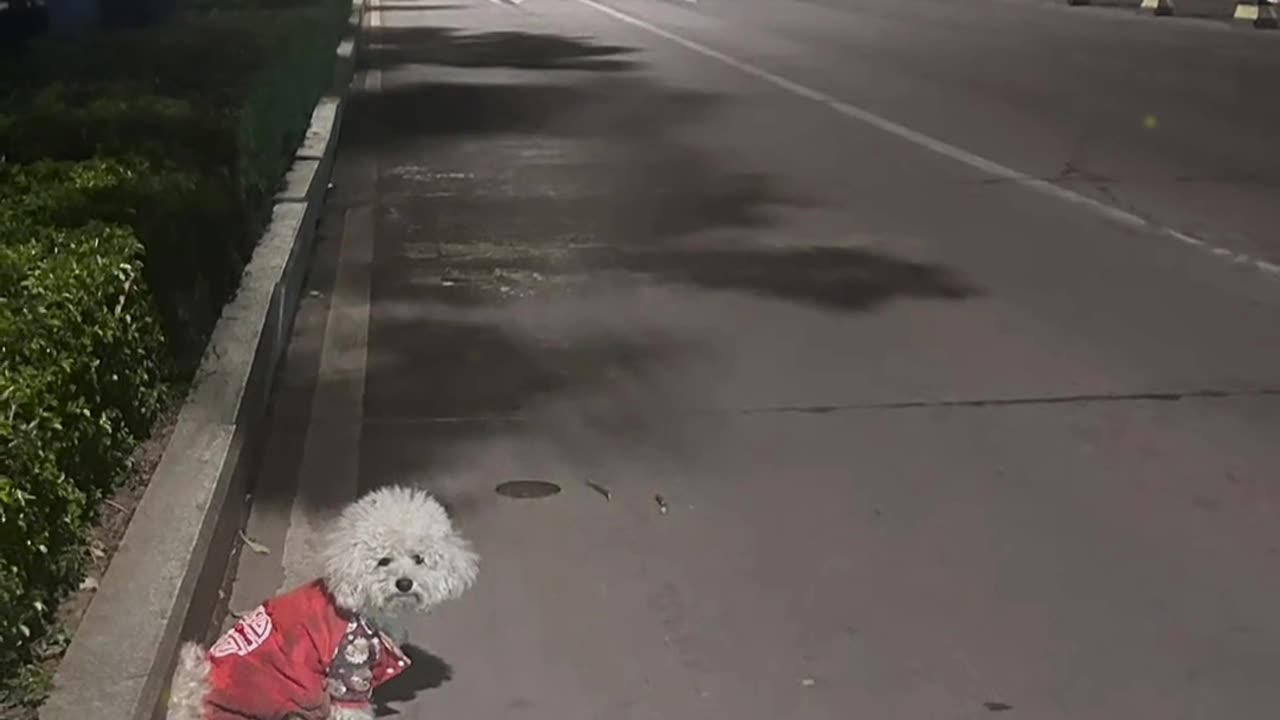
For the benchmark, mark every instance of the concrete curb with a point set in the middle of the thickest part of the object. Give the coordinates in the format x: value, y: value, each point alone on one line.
x: 161, y: 587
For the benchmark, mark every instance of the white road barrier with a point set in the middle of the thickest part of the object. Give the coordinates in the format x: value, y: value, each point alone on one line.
x: 1262, y: 13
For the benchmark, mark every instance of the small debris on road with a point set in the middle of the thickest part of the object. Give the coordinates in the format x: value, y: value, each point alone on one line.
x: 604, y: 491
x: 254, y: 545
x: 808, y: 682
x: 662, y: 504
x: 450, y: 278
x: 314, y: 294
x: 997, y: 706
x: 89, y: 584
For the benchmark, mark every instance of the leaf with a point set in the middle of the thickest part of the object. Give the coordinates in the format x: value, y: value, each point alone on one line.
x: 662, y: 504
x: 254, y: 545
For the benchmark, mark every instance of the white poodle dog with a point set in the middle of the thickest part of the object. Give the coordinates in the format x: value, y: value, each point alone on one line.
x: 317, y: 652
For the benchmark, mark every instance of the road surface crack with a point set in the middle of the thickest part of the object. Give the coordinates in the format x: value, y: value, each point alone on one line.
x: 1080, y: 399
x: 960, y: 403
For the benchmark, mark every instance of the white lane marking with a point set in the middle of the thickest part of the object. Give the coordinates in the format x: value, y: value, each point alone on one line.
x: 328, y: 476
x: 945, y: 149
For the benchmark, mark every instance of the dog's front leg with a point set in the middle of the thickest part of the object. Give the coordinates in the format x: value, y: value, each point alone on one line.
x: 351, y: 712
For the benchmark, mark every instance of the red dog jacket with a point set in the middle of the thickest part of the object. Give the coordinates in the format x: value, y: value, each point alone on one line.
x: 298, y: 653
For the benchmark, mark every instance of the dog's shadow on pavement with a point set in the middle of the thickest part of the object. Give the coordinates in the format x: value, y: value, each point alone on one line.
x: 426, y: 672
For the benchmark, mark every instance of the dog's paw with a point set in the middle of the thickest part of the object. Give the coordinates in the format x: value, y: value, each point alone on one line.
x: 348, y: 712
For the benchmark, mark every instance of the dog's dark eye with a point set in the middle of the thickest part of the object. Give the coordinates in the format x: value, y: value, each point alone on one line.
x: 417, y: 559
x: 384, y: 562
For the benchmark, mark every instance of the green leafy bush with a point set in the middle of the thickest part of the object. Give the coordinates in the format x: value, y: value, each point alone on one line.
x: 136, y: 168
x: 211, y: 59
x: 70, y: 122
x: 189, y: 151
x: 274, y: 119
x: 189, y: 225
x: 78, y: 388
x: 223, y: 93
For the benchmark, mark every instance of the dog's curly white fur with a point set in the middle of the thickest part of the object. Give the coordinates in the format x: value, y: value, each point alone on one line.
x: 392, y: 553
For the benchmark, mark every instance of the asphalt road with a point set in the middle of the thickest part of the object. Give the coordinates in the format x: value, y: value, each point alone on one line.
x: 946, y: 332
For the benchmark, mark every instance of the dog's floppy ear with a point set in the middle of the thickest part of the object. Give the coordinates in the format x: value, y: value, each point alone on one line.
x: 464, y: 563
x: 454, y: 565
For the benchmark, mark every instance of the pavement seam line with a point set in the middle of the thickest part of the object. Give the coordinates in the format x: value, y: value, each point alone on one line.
x: 1041, y: 400
x: 945, y: 149
x: 959, y: 403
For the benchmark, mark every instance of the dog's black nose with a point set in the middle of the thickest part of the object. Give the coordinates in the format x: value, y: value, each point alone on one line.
x: 404, y: 584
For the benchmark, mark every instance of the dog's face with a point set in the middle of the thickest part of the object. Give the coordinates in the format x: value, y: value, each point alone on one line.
x: 395, y: 551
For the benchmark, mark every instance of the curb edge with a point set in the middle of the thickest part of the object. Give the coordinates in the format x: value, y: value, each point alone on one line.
x: 161, y: 586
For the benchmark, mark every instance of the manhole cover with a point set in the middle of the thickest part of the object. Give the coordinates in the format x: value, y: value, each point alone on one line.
x: 528, y: 489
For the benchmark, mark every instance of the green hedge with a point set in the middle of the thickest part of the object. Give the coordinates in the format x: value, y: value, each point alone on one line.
x: 136, y: 171
x: 182, y: 219
x: 203, y: 142
x: 78, y: 388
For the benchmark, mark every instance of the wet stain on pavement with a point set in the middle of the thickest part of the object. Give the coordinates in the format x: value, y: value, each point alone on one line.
x: 528, y: 489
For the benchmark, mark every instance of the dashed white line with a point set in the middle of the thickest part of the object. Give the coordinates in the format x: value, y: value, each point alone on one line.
x: 935, y: 145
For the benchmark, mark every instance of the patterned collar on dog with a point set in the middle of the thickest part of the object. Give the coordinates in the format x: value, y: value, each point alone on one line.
x: 350, y: 678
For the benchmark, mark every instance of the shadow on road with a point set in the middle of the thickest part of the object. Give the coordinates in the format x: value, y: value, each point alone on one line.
x: 429, y: 113
x: 442, y: 366
x: 425, y: 672
x: 388, y: 47
x: 836, y: 278
x: 520, y: 226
